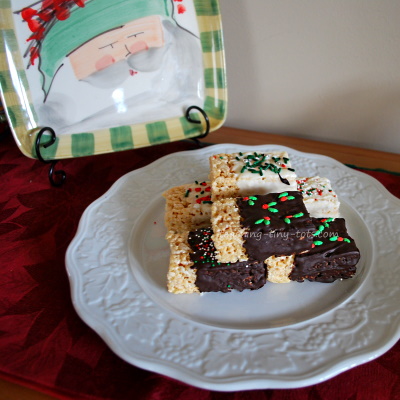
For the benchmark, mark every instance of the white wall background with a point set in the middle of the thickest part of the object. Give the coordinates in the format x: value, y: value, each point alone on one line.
x: 319, y: 69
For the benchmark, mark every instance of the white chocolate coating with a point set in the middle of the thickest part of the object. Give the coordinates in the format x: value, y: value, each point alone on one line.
x: 319, y: 198
x: 249, y: 173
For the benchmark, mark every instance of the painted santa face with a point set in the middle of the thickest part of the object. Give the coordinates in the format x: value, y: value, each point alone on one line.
x: 116, y: 45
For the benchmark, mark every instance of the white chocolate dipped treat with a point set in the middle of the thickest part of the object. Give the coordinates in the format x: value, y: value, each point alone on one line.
x: 251, y: 173
x: 318, y: 196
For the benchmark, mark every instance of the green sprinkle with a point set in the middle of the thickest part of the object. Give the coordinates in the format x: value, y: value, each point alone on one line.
x: 257, y: 163
x: 291, y: 169
x: 221, y: 157
x: 333, y: 238
x: 273, y: 210
x: 287, y: 220
x: 259, y: 221
x: 283, y: 195
x: 251, y: 203
x: 273, y: 203
x: 229, y: 286
x: 243, y: 169
x: 291, y: 197
x: 286, y: 160
x: 187, y: 193
x: 318, y: 243
x: 253, y: 198
x: 347, y: 240
x: 298, y: 215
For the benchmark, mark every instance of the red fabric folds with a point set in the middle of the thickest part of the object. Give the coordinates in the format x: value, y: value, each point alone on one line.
x: 45, y: 345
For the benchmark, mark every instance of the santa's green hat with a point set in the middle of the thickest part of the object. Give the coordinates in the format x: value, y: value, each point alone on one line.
x: 84, y: 23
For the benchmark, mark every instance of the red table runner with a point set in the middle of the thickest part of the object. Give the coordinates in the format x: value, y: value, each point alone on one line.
x: 46, y: 346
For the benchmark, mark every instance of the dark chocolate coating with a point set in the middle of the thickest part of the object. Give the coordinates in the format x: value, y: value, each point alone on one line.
x: 279, y: 238
x: 213, y: 276
x: 330, y: 260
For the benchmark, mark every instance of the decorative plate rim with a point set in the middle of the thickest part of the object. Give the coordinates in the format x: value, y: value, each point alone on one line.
x: 300, y: 355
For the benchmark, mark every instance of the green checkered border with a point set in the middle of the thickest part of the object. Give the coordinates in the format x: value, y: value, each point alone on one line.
x: 21, y: 114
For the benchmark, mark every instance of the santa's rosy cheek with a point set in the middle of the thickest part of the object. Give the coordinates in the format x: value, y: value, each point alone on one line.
x: 104, y: 62
x: 138, y: 46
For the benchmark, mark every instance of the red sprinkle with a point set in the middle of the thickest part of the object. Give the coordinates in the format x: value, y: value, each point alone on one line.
x: 201, y: 199
x: 265, y: 206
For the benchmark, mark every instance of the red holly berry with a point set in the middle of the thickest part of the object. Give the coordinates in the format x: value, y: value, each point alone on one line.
x: 62, y: 13
x: 34, y: 25
x: 28, y: 13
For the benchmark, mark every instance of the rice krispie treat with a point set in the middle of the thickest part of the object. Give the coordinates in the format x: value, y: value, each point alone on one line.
x: 318, y: 196
x: 188, y: 207
x: 194, y: 268
x: 279, y: 268
x: 258, y: 227
x: 251, y: 173
x: 333, y: 255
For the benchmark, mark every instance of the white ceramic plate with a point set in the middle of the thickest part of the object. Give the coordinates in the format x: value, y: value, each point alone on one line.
x: 281, y: 336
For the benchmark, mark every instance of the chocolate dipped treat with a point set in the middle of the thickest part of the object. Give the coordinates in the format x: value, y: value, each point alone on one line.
x: 333, y: 255
x: 193, y: 267
x: 258, y: 227
x: 213, y: 276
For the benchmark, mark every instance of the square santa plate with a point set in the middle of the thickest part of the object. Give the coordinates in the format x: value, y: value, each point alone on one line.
x: 110, y: 76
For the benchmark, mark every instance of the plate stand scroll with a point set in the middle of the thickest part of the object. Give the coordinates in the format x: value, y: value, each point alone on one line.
x: 61, y: 175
